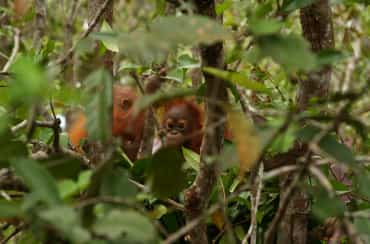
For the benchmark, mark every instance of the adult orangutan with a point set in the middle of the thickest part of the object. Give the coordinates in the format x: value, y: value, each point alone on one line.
x: 126, y: 125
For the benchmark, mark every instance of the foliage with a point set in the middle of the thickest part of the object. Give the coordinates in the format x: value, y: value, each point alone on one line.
x: 44, y: 184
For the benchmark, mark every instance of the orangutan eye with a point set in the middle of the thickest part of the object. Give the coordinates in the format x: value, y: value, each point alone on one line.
x: 170, y: 125
x: 181, y: 125
x: 126, y: 104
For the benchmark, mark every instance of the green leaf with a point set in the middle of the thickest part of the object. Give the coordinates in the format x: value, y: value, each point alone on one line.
x: 284, y: 141
x: 237, y: 78
x: 325, y: 206
x: 362, y: 225
x: 38, y: 179
x: 337, y: 150
x: 176, y: 75
x: 109, y: 43
x: 84, y: 179
x: 116, y: 184
x: 192, y: 159
x: 291, y: 5
x: 141, y: 167
x: 265, y: 26
x: 328, y: 144
x: 187, y: 62
x: 98, y: 105
x: 62, y: 167
x: 29, y: 83
x: 221, y: 7
x: 158, y: 212
x: 10, y: 148
x: 10, y: 209
x: 290, y: 51
x: 135, y: 227
x: 362, y: 179
x: 329, y: 56
x: 159, y: 38
x: 66, y: 220
x: 68, y: 188
x: 166, y: 175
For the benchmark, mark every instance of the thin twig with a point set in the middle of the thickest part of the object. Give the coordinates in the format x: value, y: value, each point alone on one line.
x: 19, y: 126
x: 190, y: 225
x: 195, y: 222
x: 14, y: 51
x: 322, y: 179
x: 56, y: 127
x: 285, y: 199
x: 90, y: 28
x: 279, y: 131
x: 171, y: 202
x: 256, y: 195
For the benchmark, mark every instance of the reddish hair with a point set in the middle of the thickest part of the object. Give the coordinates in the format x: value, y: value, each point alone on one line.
x: 196, y: 120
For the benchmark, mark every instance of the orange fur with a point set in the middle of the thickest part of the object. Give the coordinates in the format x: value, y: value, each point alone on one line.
x: 125, y: 125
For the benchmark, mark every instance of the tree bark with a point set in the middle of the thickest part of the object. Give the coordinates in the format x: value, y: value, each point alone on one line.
x: 69, y: 75
x: 197, y: 196
x: 40, y: 22
x: 317, y: 27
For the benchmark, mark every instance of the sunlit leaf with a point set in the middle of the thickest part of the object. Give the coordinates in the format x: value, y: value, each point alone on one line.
x: 110, y: 43
x: 192, y: 159
x: 68, y: 188
x: 265, y: 26
x: 158, y: 212
x: 237, y: 78
x: 84, y: 179
x: 187, y: 62
x: 221, y: 7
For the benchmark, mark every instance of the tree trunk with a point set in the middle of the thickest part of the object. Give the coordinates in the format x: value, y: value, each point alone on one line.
x: 69, y: 75
x: 197, y: 196
x: 317, y: 26
x: 40, y: 23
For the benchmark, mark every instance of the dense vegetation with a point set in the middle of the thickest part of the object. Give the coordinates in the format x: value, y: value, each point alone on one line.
x: 287, y: 79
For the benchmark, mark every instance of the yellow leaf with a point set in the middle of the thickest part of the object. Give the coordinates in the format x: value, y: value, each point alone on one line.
x: 218, y: 219
x: 247, y: 142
